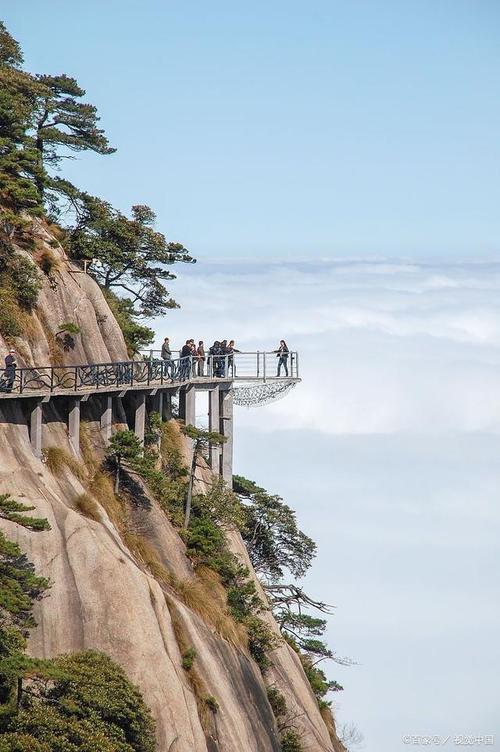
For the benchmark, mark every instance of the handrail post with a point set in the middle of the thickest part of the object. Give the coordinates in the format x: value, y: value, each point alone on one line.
x: 51, y: 378
x: 258, y: 363
x: 149, y: 372
x: 131, y: 372
x: 190, y: 367
x: 297, y: 364
x: 21, y: 371
x: 264, y: 368
x: 76, y: 378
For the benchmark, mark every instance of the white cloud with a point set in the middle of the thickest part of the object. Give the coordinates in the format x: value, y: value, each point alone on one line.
x: 405, y: 516
x: 386, y: 346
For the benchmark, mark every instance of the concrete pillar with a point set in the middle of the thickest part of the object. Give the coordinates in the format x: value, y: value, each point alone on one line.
x: 226, y: 420
x: 74, y: 423
x: 167, y: 406
x: 187, y: 405
x: 36, y: 428
x: 214, y: 425
x: 107, y: 417
x: 157, y: 403
x: 140, y: 416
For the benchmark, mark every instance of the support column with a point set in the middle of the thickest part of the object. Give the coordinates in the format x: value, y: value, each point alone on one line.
x: 214, y: 425
x: 106, y: 420
x: 187, y: 405
x: 36, y: 429
x: 74, y: 423
x: 226, y: 422
x: 157, y: 403
x: 167, y: 406
x: 140, y: 416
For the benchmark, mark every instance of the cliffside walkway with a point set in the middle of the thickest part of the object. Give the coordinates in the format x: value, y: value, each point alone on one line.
x: 31, y: 381
x: 128, y: 390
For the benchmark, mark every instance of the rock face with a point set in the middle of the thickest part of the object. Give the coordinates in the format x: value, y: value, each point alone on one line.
x: 104, y: 594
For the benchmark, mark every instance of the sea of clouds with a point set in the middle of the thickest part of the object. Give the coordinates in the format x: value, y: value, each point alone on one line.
x: 388, y: 450
x: 384, y: 346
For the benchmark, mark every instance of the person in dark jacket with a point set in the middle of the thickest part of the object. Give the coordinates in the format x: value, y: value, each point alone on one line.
x: 223, y: 360
x: 166, y: 356
x: 282, y: 353
x: 10, y: 372
x: 216, y: 352
x: 185, y: 360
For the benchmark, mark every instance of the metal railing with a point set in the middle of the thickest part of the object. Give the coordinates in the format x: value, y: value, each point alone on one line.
x: 152, y: 370
x: 240, y: 364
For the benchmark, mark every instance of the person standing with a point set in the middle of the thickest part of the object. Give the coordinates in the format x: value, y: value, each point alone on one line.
x: 166, y: 356
x: 200, y: 354
x: 282, y: 354
x: 230, y: 362
x: 10, y: 372
x: 185, y: 360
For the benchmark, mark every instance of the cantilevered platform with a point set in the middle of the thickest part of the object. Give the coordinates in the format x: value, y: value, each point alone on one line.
x: 148, y: 385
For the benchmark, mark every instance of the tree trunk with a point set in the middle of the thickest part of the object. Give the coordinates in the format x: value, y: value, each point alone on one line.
x: 117, y: 477
x: 189, y: 498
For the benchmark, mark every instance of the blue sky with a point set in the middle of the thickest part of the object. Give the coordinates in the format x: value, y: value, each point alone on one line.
x: 288, y: 129
x: 347, y: 136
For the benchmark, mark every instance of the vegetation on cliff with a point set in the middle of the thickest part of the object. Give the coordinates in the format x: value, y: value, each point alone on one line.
x: 81, y: 701
x: 277, y: 548
x: 44, y: 119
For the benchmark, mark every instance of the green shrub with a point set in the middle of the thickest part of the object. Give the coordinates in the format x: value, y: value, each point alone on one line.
x: 205, y: 540
x: 277, y: 701
x: 10, y: 323
x: 25, y: 281
x: 212, y: 703
x: 188, y: 659
x: 290, y: 742
x: 69, y: 327
x: 136, y: 336
x: 90, y: 705
x: 243, y: 600
x: 261, y: 640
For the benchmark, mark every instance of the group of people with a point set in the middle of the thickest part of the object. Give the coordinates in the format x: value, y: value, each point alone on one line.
x: 193, y: 358
x: 192, y: 361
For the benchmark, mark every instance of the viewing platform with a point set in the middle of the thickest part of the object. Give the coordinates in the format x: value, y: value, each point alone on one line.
x: 126, y: 392
x: 151, y: 371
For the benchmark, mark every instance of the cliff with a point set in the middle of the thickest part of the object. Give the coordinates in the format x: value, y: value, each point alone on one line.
x: 121, y: 580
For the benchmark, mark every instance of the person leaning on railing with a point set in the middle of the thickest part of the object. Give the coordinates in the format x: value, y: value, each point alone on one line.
x: 230, y: 361
x: 282, y: 353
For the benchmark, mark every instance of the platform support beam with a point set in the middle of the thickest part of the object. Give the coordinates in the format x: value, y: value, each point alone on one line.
x: 226, y: 423
x: 36, y: 428
x: 157, y: 403
x: 140, y: 416
x: 106, y: 420
x: 187, y: 405
x: 166, y: 413
x: 214, y: 425
x: 74, y: 423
